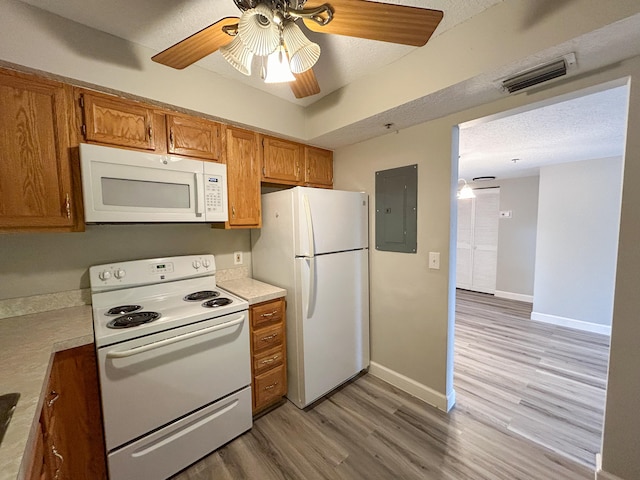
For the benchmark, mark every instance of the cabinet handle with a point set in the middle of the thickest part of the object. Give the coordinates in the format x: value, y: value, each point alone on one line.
x: 269, y: 314
x: 171, y: 138
x: 269, y: 337
x: 67, y: 205
x: 271, y: 387
x: 150, y: 132
x: 233, y: 212
x: 58, y: 465
x: 269, y: 360
x: 54, y: 398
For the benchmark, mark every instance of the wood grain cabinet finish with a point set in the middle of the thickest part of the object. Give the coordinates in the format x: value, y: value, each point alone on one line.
x: 318, y: 170
x: 36, y: 180
x: 243, y: 176
x: 193, y: 137
x: 116, y: 121
x: 70, y: 441
x: 282, y: 161
x: 269, y: 353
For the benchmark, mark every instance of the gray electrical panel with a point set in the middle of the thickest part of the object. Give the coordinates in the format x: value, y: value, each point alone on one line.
x: 397, y: 209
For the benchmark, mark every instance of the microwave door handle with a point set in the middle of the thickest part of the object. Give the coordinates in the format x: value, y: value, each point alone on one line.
x: 199, y: 193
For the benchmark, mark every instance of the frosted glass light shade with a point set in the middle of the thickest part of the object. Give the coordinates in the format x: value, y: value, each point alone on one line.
x: 303, y: 53
x: 278, y: 70
x: 238, y: 55
x: 466, y: 192
x: 257, y: 30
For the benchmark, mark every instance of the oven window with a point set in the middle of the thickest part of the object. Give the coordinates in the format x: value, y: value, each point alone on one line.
x: 139, y: 193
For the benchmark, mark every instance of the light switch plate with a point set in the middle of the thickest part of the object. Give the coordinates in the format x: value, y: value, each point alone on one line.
x: 434, y: 260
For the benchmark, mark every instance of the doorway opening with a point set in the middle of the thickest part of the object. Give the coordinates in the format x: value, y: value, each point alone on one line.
x: 533, y: 305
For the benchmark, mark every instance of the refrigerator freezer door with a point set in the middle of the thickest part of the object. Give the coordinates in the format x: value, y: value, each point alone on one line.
x: 332, y: 328
x: 339, y: 220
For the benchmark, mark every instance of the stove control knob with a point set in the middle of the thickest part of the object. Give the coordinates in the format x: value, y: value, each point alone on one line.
x: 196, y: 264
x: 120, y: 273
x: 105, y: 275
x: 206, y: 263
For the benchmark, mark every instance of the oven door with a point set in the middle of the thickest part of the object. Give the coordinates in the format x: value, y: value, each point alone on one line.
x: 149, y: 382
x: 127, y: 186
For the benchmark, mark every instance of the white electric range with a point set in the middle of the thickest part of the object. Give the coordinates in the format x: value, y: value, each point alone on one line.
x: 174, y: 363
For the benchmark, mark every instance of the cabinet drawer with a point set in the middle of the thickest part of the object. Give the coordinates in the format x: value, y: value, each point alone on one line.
x: 269, y: 386
x: 266, y: 313
x: 267, y: 360
x: 267, y: 338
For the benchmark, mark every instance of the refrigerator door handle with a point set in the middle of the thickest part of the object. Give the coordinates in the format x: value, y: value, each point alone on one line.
x: 312, y: 286
x: 307, y: 211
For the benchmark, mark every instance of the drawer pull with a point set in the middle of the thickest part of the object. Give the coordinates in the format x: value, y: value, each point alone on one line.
x: 269, y: 360
x: 269, y: 337
x: 54, y: 397
x: 271, y: 387
x: 269, y: 314
x: 59, y: 462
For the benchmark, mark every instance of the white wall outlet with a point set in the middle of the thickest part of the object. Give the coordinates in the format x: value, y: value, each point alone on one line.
x: 434, y: 260
x: 505, y: 213
x: 237, y: 258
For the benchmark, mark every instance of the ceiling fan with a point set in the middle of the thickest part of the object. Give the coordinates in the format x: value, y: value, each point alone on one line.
x: 268, y: 30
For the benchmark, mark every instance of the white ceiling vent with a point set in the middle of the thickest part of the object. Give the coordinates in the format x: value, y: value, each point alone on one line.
x: 539, y: 74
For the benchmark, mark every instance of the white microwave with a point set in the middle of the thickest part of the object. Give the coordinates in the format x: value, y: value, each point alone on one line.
x: 125, y: 186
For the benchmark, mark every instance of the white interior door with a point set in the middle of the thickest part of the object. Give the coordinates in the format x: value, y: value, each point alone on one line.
x: 477, y: 248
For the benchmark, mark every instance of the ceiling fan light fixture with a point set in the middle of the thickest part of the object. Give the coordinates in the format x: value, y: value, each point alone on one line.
x: 238, y: 56
x: 257, y: 30
x: 278, y: 69
x: 303, y: 53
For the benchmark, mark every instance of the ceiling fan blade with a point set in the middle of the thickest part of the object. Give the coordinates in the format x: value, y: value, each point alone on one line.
x: 197, y: 46
x: 378, y: 21
x: 305, y: 85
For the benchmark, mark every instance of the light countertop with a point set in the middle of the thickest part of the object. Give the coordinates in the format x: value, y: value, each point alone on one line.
x: 27, y: 346
x: 253, y: 291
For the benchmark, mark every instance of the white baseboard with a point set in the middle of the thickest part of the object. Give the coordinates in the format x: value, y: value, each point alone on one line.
x: 602, y: 475
x: 424, y: 393
x: 514, y: 296
x: 571, y: 323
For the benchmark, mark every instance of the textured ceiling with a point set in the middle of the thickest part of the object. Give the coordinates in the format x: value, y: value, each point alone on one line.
x: 588, y: 127
x: 158, y: 24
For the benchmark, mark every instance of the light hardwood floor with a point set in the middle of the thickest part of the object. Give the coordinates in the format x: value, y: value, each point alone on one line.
x: 370, y: 430
x: 543, y: 382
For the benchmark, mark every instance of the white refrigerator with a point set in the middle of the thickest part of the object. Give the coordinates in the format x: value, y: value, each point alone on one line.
x: 314, y: 243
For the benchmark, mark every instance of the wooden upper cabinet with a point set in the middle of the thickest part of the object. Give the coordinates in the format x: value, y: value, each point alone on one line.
x: 193, y: 137
x: 318, y: 167
x: 243, y: 173
x: 282, y: 161
x: 36, y: 181
x: 116, y: 121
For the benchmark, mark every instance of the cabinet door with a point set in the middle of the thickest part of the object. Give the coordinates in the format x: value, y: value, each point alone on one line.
x: 318, y: 167
x: 243, y: 172
x: 281, y: 161
x: 117, y: 121
x: 71, y: 413
x: 193, y: 137
x: 35, y: 184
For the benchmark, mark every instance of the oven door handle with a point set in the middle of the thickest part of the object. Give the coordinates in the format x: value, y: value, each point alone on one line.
x: 176, y: 339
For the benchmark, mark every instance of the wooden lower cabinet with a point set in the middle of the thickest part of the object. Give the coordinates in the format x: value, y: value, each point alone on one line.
x: 268, y: 353
x: 69, y: 443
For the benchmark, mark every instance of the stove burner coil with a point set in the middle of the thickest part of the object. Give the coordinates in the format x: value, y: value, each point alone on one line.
x: 133, y: 319
x: 202, y: 295
x: 123, y: 309
x: 217, y: 302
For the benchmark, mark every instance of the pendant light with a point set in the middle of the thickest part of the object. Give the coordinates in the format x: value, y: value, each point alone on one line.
x: 466, y: 191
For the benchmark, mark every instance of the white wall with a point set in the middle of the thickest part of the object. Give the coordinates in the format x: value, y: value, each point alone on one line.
x: 516, y: 236
x: 577, y: 243
x: 32, y: 264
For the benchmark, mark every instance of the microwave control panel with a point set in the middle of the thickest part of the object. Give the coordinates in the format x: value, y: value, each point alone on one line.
x: 214, y: 193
